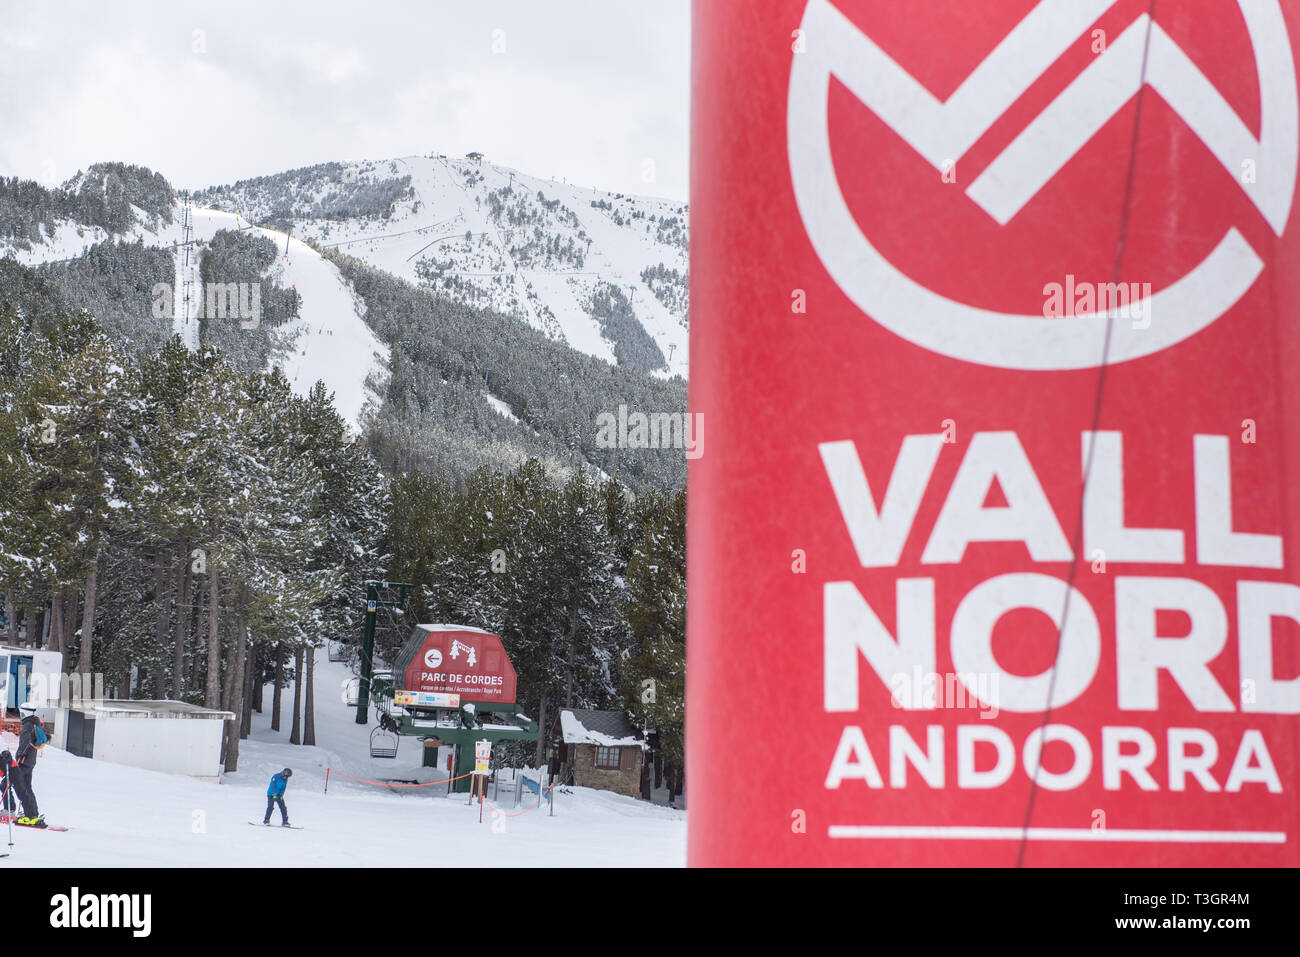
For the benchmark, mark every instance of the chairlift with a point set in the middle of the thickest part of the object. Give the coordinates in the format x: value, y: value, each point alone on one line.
x: 338, y: 651
x: 352, y: 692
x: 383, y: 743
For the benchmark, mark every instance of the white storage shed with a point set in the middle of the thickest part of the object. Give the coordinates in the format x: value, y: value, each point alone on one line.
x: 169, y: 736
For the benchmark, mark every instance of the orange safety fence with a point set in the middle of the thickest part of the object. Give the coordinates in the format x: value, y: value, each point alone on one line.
x: 389, y: 784
x: 541, y: 799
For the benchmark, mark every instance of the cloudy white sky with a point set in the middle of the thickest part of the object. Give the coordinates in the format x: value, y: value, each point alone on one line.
x: 208, y: 93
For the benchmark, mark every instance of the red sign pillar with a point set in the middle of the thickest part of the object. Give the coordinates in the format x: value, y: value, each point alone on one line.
x: 995, y: 545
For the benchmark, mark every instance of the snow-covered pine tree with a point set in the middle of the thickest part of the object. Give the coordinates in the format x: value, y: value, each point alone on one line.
x: 22, y: 361
x: 653, y: 670
x: 212, y: 466
x: 352, y: 507
x: 167, y: 522
x: 581, y: 573
x: 271, y: 531
x: 82, y: 439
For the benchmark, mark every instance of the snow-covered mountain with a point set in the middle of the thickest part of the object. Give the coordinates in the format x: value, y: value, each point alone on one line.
x: 510, y: 311
x: 576, y: 263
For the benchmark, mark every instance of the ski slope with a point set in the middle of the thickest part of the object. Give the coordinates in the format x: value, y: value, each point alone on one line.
x: 127, y: 817
x: 332, y: 342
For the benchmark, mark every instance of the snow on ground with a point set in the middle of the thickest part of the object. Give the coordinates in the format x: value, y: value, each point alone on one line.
x: 333, y: 344
x: 127, y: 817
x: 500, y: 406
x: 186, y: 295
x: 67, y: 240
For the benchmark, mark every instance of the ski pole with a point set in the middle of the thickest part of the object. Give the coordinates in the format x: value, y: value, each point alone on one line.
x: 4, y: 804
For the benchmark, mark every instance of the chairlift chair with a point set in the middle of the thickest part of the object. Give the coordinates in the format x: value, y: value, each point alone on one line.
x: 352, y: 692
x: 383, y: 743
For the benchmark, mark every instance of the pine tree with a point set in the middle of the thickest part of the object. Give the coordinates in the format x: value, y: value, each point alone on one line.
x: 193, y: 515
x: 165, y: 521
x: 90, y: 404
x: 654, y: 610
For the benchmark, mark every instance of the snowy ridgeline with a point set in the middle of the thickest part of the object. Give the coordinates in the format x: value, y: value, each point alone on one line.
x: 542, y: 250
x: 133, y: 818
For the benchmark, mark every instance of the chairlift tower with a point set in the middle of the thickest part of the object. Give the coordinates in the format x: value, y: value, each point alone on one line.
x: 373, y: 603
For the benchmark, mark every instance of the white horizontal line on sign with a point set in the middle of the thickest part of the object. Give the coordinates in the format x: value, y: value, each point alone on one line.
x: 1156, y: 836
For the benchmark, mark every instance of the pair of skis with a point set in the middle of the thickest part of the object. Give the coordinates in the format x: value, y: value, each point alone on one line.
x: 6, y: 819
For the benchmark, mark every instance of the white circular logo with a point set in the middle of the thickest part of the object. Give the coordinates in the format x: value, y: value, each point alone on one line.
x: 942, y: 132
x: 433, y: 658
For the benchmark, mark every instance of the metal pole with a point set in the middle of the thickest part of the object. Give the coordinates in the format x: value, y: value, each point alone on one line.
x: 367, y: 654
x: 4, y: 803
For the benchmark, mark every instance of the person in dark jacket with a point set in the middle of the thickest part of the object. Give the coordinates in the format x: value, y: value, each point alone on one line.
x: 24, y: 763
x: 275, y: 795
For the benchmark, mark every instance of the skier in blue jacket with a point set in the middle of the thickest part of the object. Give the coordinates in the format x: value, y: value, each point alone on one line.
x: 275, y: 795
